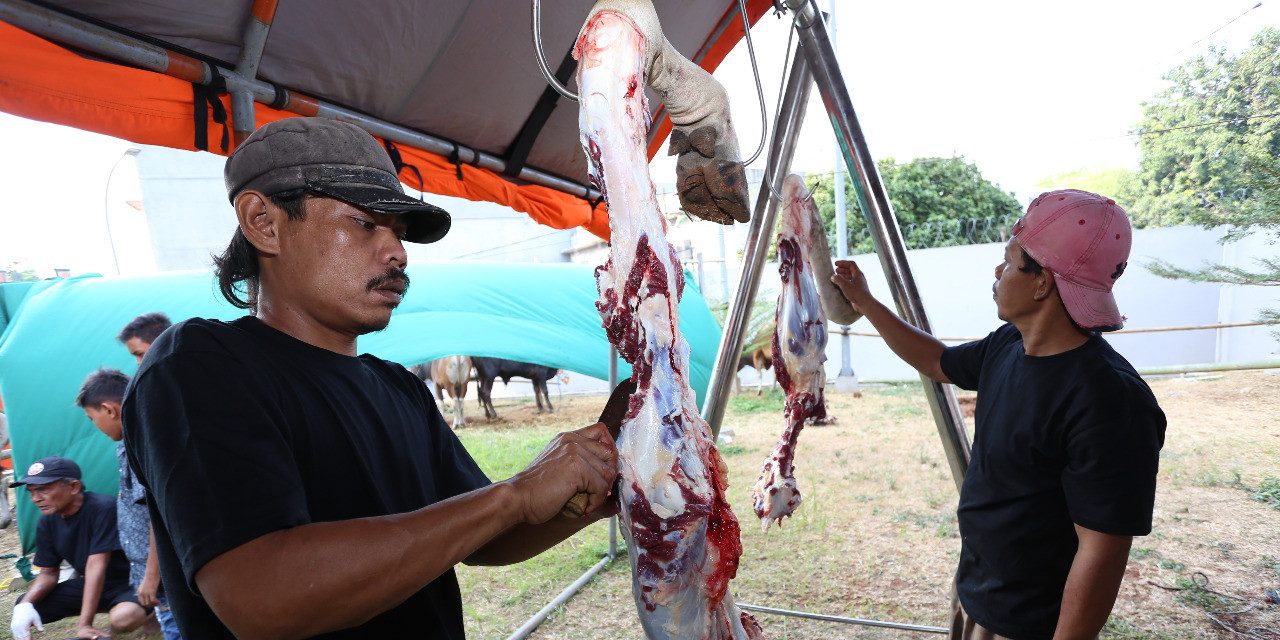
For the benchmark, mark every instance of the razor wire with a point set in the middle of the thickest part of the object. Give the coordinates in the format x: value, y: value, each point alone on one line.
x: 940, y: 233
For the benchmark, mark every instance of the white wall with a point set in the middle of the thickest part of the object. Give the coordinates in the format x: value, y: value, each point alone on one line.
x: 955, y: 286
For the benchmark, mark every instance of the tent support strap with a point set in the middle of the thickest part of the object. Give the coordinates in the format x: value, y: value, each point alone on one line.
x: 885, y: 233
x: 243, y: 118
x: 58, y: 27
x: 786, y: 131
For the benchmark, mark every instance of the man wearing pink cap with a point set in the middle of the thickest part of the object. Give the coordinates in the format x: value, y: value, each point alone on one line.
x: 1068, y: 436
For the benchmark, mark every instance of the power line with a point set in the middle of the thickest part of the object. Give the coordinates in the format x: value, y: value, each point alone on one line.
x: 1184, y: 49
x: 1201, y: 125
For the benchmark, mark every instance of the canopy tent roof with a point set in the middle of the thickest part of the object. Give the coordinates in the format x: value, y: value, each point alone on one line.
x: 461, y: 72
x: 58, y: 331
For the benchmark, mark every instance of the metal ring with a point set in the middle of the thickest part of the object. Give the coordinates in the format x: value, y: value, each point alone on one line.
x: 542, y: 59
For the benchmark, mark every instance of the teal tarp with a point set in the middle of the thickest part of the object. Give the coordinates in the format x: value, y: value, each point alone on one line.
x: 59, y: 331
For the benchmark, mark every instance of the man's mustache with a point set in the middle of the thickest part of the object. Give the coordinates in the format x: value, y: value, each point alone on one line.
x: 390, y: 275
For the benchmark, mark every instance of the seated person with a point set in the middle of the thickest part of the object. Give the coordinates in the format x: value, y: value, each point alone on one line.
x: 80, y: 527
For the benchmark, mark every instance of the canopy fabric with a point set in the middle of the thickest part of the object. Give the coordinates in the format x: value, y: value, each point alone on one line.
x: 65, y: 329
x: 462, y: 71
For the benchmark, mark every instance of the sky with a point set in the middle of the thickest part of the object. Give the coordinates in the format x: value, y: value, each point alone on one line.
x: 1023, y: 89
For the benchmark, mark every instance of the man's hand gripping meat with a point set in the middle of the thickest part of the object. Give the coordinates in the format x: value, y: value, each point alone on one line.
x: 710, y: 176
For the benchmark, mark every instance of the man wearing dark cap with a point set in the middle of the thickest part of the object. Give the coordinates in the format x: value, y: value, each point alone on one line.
x: 1067, y: 436
x: 80, y: 527
x: 351, y: 498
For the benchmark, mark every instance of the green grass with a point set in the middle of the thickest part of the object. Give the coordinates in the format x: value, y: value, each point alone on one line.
x: 1119, y: 629
x: 1194, y: 595
x: 772, y: 401
x: 502, y: 454
x: 1268, y: 492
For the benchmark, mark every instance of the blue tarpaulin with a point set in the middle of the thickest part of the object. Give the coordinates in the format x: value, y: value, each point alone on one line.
x: 56, y: 332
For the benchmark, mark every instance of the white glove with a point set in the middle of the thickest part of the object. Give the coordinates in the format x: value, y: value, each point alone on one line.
x: 24, y: 615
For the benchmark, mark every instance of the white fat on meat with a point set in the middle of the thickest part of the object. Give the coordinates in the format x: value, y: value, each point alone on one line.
x: 683, y: 536
x: 799, y: 349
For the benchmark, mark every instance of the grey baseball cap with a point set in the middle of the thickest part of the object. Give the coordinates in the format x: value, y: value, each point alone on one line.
x: 334, y: 159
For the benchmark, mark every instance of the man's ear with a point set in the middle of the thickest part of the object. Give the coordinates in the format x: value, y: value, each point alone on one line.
x: 1045, y: 285
x: 111, y: 409
x: 259, y: 221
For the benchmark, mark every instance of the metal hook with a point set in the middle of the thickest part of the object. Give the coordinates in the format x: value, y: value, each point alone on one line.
x: 542, y: 58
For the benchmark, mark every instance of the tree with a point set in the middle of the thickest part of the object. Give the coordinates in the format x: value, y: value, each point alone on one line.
x: 1258, y: 210
x: 1197, y: 135
x: 939, y: 202
x: 1107, y: 181
x: 14, y: 273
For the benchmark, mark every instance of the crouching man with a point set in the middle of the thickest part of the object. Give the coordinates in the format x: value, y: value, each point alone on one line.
x: 80, y: 527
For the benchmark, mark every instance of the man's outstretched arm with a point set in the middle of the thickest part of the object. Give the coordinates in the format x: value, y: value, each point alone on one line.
x: 322, y: 577
x: 919, y: 349
x: 1092, y: 584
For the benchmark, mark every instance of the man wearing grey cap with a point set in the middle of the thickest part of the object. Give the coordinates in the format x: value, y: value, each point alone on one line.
x: 351, y: 498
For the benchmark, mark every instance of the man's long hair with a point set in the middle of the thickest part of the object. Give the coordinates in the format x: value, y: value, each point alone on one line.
x: 239, y: 262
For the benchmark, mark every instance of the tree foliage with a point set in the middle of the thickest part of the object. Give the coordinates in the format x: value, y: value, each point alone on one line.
x: 1226, y: 174
x: 15, y: 273
x: 759, y: 331
x: 1199, y: 137
x: 939, y: 202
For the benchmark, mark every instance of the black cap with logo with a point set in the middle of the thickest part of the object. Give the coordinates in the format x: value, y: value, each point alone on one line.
x: 51, y: 469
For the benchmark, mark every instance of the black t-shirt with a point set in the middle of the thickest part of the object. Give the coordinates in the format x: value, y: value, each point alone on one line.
x: 1069, y: 438
x: 92, y: 529
x: 239, y: 430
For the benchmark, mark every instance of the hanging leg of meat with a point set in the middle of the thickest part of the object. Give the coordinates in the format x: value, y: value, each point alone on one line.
x: 799, y: 349
x: 684, y: 543
x: 710, y: 177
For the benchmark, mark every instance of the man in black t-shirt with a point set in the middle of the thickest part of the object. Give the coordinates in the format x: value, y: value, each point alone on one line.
x: 80, y: 527
x: 1067, y: 435
x: 352, y: 499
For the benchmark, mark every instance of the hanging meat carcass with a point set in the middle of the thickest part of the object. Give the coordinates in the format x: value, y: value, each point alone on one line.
x: 799, y: 349
x: 683, y: 536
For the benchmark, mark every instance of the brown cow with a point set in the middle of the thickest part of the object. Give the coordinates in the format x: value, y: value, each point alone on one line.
x: 451, y: 374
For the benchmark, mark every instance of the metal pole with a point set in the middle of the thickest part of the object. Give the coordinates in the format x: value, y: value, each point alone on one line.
x: 842, y: 229
x: 860, y: 621
x: 613, y: 384
x: 55, y: 26
x: 786, y: 130
x: 724, y: 265
x: 874, y: 200
x: 243, y: 118
x: 537, y: 619
x: 106, y: 203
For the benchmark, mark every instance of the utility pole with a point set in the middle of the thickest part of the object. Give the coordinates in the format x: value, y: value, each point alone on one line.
x: 847, y: 381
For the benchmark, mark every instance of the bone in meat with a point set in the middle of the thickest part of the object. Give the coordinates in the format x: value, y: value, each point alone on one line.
x: 799, y: 349
x: 684, y: 543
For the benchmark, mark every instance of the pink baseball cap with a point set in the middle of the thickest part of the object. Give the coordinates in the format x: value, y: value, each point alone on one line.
x: 1083, y: 239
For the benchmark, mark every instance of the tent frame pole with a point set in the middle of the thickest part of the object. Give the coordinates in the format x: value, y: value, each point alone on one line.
x: 786, y: 132
x: 815, y: 41
x: 243, y: 117
x: 59, y: 27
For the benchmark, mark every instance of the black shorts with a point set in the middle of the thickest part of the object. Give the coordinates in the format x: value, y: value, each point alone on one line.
x: 65, y: 599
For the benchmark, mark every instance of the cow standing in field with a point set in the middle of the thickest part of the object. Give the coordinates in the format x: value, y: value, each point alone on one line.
x: 451, y: 374
x: 759, y: 359
x: 489, y: 368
